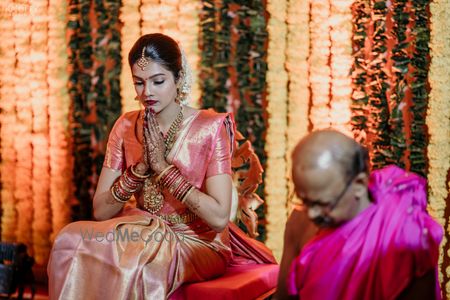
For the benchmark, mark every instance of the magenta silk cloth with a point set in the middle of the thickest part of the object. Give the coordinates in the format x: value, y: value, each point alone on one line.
x: 379, y: 252
x: 137, y: 255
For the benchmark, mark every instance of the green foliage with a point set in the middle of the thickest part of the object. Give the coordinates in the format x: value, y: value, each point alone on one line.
x: 385, y: 121
x: 215, y: 44
x: 360, y: 99
x: 400, y: 67
x: 378, y: 85
x: 233, y: 42
x: 420, y: 61
x: 80, y: 51
x: 251, y: 69
x: 94, y: 70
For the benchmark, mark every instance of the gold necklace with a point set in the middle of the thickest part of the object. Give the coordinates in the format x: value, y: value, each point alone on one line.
x: 153, y: 197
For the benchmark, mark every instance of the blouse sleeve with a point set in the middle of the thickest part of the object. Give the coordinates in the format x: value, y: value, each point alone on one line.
x: 115, y: 156
x: 220, y: 162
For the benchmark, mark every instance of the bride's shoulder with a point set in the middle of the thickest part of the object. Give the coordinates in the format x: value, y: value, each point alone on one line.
x: 126, y: 120
x: 190, y: 111
x: 210, y: 113
x: 128, y: 117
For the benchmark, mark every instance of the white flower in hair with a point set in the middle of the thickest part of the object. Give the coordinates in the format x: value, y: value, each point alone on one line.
x: 185, y: 81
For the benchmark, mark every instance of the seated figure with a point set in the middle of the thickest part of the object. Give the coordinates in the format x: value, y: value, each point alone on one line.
x: 376, y: 239
x: 298, y: 231
x: 176, y: 162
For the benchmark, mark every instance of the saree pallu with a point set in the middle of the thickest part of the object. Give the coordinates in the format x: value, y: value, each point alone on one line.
x: 138, y: 255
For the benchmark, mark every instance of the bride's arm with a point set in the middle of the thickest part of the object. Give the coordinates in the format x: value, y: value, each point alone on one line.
x: 214, y: 206
x: 105, y: 206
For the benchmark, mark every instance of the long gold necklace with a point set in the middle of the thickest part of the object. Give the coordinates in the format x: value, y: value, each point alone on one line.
x: 153, y: 197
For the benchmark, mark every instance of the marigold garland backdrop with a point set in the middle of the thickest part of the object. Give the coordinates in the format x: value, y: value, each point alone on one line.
x: 376, y: 70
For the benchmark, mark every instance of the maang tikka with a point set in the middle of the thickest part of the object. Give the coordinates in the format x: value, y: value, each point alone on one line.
x: 143, y: 61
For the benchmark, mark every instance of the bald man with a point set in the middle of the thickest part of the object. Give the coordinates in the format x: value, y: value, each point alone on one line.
x: 376, y: 240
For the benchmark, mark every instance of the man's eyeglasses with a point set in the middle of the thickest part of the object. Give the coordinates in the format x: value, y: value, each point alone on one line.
x: 328, y: 205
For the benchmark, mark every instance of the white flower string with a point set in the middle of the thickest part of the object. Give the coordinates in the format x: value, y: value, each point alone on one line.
x: 185, y: 80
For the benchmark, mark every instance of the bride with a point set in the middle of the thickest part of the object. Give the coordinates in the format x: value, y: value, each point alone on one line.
x: 176, y: 161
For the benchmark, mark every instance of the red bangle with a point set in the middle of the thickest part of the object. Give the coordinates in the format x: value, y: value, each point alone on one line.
x: 168, y: 177
x: 172, y: 179
x: 187, y: 194
x: 117, y: 196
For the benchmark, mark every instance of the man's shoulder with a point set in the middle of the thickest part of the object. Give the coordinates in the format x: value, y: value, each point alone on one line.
x: 401, y: 201
x: 390, y: 173
x: 392, y: 181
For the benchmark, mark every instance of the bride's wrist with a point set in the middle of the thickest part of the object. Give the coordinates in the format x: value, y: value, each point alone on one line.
x: 161, y: 167
x: 140, y: 169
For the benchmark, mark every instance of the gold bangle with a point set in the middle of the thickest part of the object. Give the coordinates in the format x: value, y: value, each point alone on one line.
x: 164, y: 172
x: 145, y: 176
x: 128, y: 181
x: 187, y: 194
x: 125, y: 188
x: 117, y: 198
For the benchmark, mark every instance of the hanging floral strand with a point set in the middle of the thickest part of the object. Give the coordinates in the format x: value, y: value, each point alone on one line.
x: 8, y: 120
x: 59, y: 102
x: 379, y: 132
x: 360, y: 99
x: 340, y: 64
x: 150, y: 16
x: 188, y: 25
x: 438, y: 123
x: 22, y: 143
x: 319, y: 67
x: 401, y: 62
x: 420, y: 61
x: 297, y: 51
x: 206, y: 43
x: 41, y: 226
x: 105, y: 89
x: 276, y: 186
x: 168, y: 18
x: 250, y: 73
x: 131, y: 30
x: 83, y: 103
x: 215, y: 36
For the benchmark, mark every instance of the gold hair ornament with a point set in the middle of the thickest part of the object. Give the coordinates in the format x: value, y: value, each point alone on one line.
x: 143, y: 61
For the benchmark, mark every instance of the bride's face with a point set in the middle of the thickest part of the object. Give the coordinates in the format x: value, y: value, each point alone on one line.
x: 155, y: 86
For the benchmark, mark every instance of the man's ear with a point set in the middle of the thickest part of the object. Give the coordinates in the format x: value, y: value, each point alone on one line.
x: 361, y: 181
